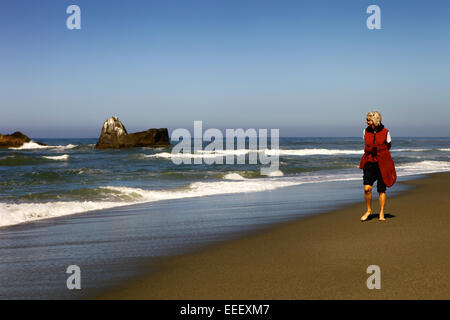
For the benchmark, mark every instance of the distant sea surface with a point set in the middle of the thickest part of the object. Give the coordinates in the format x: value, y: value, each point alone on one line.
x: 69, y: 176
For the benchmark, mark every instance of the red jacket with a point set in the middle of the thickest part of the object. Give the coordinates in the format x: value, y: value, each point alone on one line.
x: 376, y: 150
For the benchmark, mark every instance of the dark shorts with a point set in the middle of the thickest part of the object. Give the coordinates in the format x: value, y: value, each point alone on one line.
x: 371, y: 174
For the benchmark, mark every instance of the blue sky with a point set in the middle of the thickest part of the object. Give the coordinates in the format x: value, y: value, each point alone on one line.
x: 310, y: 68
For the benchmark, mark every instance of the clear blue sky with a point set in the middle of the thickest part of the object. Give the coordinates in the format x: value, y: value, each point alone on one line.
x: 310, y: 68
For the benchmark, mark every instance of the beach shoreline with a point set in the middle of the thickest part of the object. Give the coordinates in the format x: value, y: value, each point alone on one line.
x: 324, y: 256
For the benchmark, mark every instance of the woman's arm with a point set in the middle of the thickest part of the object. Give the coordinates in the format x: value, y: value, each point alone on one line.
x: 388, y: 141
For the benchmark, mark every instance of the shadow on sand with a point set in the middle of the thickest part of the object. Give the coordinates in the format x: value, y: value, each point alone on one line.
x: 386, y: 216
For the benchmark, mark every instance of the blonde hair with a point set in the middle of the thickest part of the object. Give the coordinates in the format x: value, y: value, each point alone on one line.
x: 375, y: 116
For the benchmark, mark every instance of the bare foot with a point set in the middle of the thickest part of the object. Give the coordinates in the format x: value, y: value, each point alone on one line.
x: 382, y: 217
x: 366, y: 215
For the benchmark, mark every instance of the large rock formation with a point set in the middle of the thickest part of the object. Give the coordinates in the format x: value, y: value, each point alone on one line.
x: 15, y: 140
x: 114, y: 135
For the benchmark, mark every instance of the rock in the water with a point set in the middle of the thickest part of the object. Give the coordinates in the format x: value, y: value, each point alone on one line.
x: 114, y: 135
x: 15, y: 140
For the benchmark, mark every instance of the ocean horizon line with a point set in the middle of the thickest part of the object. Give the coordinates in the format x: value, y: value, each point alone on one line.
x: 284, y: 137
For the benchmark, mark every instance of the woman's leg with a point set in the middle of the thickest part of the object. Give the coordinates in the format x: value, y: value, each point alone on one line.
x: 381, y: 188
x: 368, y: 197
x: 382, y: 199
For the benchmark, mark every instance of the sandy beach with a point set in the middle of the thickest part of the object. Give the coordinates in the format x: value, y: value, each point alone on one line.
x: 321, y: 257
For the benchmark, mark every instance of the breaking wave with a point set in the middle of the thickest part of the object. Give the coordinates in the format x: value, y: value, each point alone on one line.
x: 239, y: 152
x: 423, y: 167
x: 62, y: 157
x: 233, y: 176
x: 233, y: 183
x: 33, y: 145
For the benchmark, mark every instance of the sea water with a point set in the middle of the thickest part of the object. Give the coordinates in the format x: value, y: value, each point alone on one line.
x: 69, y: 176
x: 108, y: 211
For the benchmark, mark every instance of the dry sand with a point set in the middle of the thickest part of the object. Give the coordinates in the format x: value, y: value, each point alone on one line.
x: 321, y: 257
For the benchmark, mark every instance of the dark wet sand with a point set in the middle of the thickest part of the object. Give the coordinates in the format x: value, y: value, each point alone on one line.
x: 321, y: 257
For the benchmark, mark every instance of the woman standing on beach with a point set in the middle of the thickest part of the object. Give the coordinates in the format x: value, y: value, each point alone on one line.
x: 376, y: 162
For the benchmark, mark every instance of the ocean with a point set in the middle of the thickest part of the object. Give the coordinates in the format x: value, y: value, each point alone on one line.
x: 110, y: 210
x: 69, y: 176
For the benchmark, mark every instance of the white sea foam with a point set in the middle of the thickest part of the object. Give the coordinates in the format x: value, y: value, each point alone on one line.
x: 410, y: 150
x: 423, y: 167
x: 168, y: 155
x: 275, y: 173
x: 11, y: 214
x: 227, y: 152
x: 271, y: 152
x: 310, y: 152
x: 444, y: 149
x: 199, y: 154
x: 31, y: 145
x: 233, y: 176
x: 34, y: 145
x: 62, y: 157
